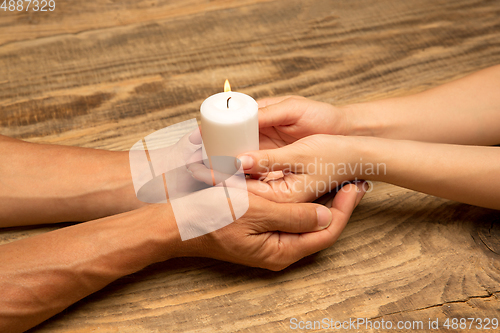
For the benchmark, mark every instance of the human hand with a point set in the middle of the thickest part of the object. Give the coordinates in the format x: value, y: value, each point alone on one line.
x: 299, y: 172
x: 283, y: 120
x: 305, y: 169
x: 275, y: 235
x: 156, y: 166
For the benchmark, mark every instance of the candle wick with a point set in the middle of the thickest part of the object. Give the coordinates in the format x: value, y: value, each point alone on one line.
x: 228, y: 102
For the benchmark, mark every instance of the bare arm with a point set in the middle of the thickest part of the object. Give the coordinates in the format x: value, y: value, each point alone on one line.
x: 462, y: 173
x: 42, y: 275
x: 464, y: 111
x: 468, y: 174
x: 51, y: 183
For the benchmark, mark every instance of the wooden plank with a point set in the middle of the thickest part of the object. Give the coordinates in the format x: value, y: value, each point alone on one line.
x: 71, y: 17
x: 103, y: 75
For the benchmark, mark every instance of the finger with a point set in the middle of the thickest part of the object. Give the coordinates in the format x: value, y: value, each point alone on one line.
x: 271, y: 100
x: 272, y: 190
x: 283, y: 113
x: 214, y: 178
x: 274, y: 175
x: 201, y: 173
x: 326, y: 199
x: 292, y: 189
x: 210, y: 177
x: 266, y: 189
x: 195, y: 137
x: 348, y: 197
x: 196, y: 157
x: 296, y: 246
x: 269, y: 160
x: 298, y: 217
x: 362, y: 185
x: 260, y: 188
x: 342, y: 207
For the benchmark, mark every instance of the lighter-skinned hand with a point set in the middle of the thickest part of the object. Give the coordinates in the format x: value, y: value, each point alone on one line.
x: 299, y: 172
x: 283, y: 120
x: 304, y: 170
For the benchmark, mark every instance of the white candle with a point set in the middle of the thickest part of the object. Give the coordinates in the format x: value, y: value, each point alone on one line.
x: 229, y: 127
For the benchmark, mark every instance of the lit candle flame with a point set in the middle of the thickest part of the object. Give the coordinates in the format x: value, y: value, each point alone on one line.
x: 227, y: 86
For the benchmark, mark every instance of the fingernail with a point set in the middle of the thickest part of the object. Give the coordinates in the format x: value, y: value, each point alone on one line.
x: 362, y: 186
x: 366, y: 186
x: 359, y: 185
x: 195, y: 137
x: 246, y: 162
x: 324, y: 217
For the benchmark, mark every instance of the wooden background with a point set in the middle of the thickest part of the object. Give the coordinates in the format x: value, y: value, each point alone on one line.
x: 103, y: 74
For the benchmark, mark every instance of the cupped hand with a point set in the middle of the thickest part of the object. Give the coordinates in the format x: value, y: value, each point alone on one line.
x: 304, y: 170
x: 275, y: 235
x: 283, y: 120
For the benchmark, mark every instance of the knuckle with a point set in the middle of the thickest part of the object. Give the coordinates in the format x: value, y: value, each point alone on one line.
x: 288, y: 198
x: 264, y: 109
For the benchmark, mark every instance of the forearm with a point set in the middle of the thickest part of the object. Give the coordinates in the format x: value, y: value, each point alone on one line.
x: 50, y: 183
x: 42, y: 275
x: 465, y: 111
x: 468, y: 174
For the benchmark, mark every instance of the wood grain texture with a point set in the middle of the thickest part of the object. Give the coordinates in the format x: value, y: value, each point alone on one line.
x: 103, y: 74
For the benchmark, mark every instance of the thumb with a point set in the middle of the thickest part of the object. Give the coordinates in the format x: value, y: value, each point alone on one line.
x: 298, y: 217
x: 266, y: 161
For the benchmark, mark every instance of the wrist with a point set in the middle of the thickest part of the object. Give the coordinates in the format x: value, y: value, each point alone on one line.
x: 115, y: 190
x: 100, y: 185
x: 162, y: 231
x: 365, y: 119
x: 63, y: 183
x: 149, y: 234
x: 368, y: 156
